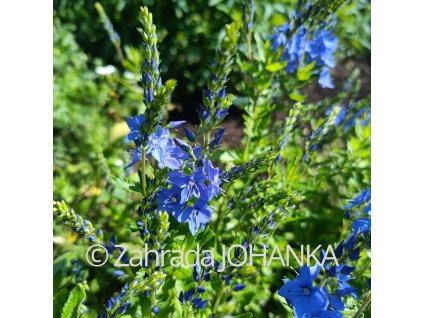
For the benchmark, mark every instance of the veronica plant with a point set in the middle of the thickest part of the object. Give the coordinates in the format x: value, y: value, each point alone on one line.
x: 185, y: 191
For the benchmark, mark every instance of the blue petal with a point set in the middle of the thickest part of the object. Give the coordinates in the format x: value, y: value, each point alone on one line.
x: 291, y: 290
x: 176, y: 124
x: 185, y: 215
x: 336, y: 302
x: 325, y: 79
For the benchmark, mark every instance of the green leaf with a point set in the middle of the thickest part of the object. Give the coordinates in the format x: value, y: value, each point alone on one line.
x: 274, y: 67
x: 76, y: 297
x: 126, y: 184
x: 241, y: 101
x: 205, y: 236
x: 305, y: 73
x: 296, y: 95
x: 59, y: 300
x: 229, y: 156
x: 260, y: 46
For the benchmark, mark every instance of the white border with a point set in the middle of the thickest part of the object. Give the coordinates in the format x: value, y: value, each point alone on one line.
x: 26, y: 158
x: 397, y: 191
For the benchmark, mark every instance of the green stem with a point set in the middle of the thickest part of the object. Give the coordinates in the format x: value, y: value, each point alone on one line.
x: 250, y: 55
x: 363, y: 306
x: 238, y: 227
x: 252, y: 119
x: 153, y: 301
x: 246, y: 149
x: 144, y: 183
x: 120, y: 54
x: 188, y: 314
x: 218, y: 297
x: 221, y: 215
x: 206, y: 141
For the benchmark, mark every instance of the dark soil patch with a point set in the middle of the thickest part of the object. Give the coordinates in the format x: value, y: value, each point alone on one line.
x: 341, y: 72
x: 233, y: 124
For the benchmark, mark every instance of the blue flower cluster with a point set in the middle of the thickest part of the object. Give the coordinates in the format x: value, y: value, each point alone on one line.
x: 325, y: 300
x: 190, y: 191
x: 358, y: 115
x: 335, y: 117
x: 301, y: 47
x: 216, y: 101
x: 192, y: 179
x: 361, y: 225
x: 118, y: 305
x: 309, y: 300
x: 160, y: 145
x: 111, y: 248
x: 193, y: 296
x: 364, y: 198
x: 77, y: 270
x: 77, y: 222
x: 203, y: 274
x: 249, y: 167
x: 116, y: 301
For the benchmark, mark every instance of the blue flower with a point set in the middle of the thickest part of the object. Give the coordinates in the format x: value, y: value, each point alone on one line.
x: 359, y: 113
x: 164, y: 150
x: 302, y: 295
x: 217, y: 138
x: 280, y: 37
x: 239, y: 287
x: 191, y: 185
x: 198, y: 151
x: 189, y: 294
x: 336, y: 303
x: 160, y: 146
x: 158, y: 142
x: 176, y: 124
x: 204, y: 114
x: 196, y: 216
x: 148, y: 95
x: 213, y: 181
x: 146, y: 78
x: 295, y: 50
x: 363, y: 197
x: 199, y: 303
x: 181, y: 297
x: 190, y: 135
x: 325, y: 79
x: 134, y: 124
x: 321, y: 48
x: 368, y: 209
x: 155, y: 310
x: 118, y: 273
x: 340, y: 117
x: 345, y: 288
x: 361, y: 225
x: 305, y: 47
x: 169, y: 200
